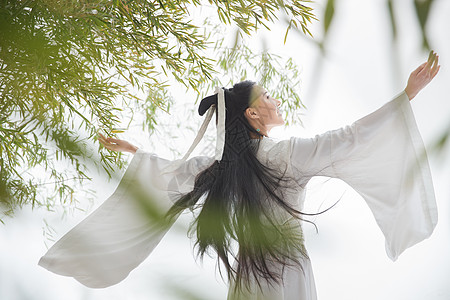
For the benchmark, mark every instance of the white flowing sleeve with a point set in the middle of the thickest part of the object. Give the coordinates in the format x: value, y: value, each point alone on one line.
x: 382, y: 157
x: 113, y: 240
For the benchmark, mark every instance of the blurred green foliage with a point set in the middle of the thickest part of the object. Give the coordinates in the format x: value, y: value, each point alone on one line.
x: 422, y: 11
x: 422, y: 8
x: 67, y: 67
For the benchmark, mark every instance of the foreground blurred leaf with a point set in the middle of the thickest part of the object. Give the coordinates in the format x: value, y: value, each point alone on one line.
x: 422, y: 11
x: 328, y: 16
x: 392, y: 19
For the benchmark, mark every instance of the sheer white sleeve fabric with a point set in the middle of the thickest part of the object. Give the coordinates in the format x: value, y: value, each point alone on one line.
x: 113, y: 240
x: 383, y: 158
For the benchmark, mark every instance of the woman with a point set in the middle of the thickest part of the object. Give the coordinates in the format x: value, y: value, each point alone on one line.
x: 252, y: 194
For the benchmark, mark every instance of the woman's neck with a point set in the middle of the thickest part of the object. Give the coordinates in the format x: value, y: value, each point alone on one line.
x: 255, y: 136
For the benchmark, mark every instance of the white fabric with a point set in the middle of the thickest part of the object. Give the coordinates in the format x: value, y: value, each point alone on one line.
x: 113, y: 240
x: 381, y: 156
x: 220, y: 142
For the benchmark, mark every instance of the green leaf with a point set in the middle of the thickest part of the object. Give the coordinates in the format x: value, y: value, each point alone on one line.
x: 329, y: 14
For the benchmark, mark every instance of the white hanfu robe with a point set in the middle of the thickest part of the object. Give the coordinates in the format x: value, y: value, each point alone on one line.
x: 381, y: 156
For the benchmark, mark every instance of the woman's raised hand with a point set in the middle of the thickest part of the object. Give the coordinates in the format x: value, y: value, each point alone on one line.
x: 421, y: 76
x: 116, y: 144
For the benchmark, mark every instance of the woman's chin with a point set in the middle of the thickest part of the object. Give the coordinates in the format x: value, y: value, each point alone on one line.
x: 281, y: 123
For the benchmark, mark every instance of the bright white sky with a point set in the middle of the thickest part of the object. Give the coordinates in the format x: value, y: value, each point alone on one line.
x: 361, y: 72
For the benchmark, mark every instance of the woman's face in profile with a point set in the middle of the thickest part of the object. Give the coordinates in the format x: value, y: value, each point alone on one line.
x: 266, y: 108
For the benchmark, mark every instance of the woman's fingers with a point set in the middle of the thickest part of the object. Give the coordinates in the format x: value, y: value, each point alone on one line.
x: 108, y: 139
x: 112, y: 143
x: 109, y: 146
x: 113, y: 140
x: 106, y: 142
x: 101, y: 138
x: 435, y: 72
x: 430, y: 55
x: 419, y: 68
x: 431, y: 66
x: 432, y: 62
x: 435, y: 65
x: 431, y: 59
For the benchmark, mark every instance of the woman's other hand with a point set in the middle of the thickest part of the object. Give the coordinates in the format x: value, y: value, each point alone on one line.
x: 116, y: 144
x: 421, y: 76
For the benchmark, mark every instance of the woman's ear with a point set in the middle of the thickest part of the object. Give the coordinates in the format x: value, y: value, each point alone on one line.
x: 247, y: 112
x: 251, y: 113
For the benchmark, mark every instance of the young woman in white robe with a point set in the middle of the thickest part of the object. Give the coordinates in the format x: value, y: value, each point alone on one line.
x: 380, y: 156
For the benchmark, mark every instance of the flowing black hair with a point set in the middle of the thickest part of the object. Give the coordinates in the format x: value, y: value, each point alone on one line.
x: 243, y: 202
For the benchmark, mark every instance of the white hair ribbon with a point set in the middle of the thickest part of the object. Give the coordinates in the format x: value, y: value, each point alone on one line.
x: 220, y: 140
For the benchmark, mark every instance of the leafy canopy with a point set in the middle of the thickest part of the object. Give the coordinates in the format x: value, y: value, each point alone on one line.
x: 68, y: 67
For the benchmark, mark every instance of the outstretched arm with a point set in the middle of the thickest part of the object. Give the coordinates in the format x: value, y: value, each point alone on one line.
x: 381, y: 156
x: 421, y: 76
x: 116, y: 144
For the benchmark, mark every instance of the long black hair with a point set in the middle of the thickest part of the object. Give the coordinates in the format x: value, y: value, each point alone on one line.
x: 244, y: 204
